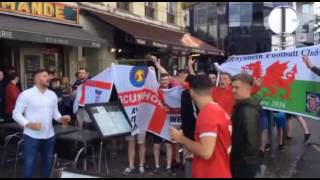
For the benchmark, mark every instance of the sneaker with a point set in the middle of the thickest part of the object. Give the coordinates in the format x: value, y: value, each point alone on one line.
x: 178, y: 166
x: 289, y: 138
x: 170, y: 172
x: 306, y: 137
x: 128, y: 171
x: 267, y: 148
x: 156, y: 171
x: 141, y: 170
x: 281, y: 147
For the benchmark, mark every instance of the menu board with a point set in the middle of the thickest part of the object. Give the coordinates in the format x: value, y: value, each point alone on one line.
x: 110, y: 119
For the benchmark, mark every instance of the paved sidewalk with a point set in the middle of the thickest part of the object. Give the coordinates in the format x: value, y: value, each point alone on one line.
x: 283, y: 165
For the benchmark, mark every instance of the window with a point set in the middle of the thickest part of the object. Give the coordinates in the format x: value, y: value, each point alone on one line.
x: 171, y: 9
x: 305, y: 28
x: 240, y: 14
x: 257, y: 14
x: 123, y: 5
x: 149, y: 9
x: 234, y: 15
x: 245, y: 14
x: 306, y: 8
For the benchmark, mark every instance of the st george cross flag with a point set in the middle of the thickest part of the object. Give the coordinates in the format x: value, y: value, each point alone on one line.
x: 158, y: 125
x: 130, y: 84
x: 96, y: 90
x: 171, y: 98
x: 151, y: 115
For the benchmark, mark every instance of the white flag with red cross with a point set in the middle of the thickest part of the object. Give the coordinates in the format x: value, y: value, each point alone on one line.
x: 95, y: 90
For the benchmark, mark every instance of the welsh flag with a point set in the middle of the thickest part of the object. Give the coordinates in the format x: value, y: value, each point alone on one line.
x: 287, y: 84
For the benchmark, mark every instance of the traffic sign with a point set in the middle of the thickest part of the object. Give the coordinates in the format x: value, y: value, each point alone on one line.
x: 290, y: 19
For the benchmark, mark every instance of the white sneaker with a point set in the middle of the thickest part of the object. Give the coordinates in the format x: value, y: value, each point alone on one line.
x: 128, y: 171
x: 141, y: 169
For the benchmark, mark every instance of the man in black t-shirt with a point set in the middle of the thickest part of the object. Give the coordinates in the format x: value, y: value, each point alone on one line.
x: 189, y: 113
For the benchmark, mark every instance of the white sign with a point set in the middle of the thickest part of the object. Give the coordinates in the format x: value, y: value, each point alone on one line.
x: 291, y: 20
x: 287, y: 40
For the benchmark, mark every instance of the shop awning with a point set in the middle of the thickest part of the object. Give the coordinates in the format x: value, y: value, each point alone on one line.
x: 150, y: 35
x: 24, y: 29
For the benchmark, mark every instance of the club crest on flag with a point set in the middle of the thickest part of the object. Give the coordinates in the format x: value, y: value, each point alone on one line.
x: 138, y: 76
x: 313, y: 103
x: 98, y: 93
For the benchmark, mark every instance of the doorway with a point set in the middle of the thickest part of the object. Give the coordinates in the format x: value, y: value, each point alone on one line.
x: 33, y: 59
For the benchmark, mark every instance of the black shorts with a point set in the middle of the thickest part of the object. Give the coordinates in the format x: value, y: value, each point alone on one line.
x: 289, y: 116
x: 158, y: 140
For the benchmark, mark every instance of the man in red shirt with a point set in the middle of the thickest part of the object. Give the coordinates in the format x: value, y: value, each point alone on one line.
x: 12, y: 93
x: 212, y: 144
x: 223, y: 94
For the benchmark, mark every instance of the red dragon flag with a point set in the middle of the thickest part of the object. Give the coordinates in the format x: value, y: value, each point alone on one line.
x: 285, y: 82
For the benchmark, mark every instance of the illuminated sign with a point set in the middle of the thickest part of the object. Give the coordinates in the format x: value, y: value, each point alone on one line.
x: 45, y: 10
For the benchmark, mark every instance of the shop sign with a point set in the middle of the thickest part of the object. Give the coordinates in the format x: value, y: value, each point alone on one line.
x: 198, y: 51
x: 141, y: 41
x: 44, y: 10
x: 179, y: 48
x: 56, y: 40
x: 161, y: 45
x: 96, y: 45
x: 5, y: 34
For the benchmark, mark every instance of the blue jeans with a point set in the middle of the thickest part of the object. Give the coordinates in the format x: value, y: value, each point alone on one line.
x: 31, y: 147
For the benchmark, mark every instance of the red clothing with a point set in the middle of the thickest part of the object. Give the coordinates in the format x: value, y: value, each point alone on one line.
x: 174, y: 83
x: 213, y: 121
x: 12, y: 93
x: 224, y: 98
x: 255, y: 89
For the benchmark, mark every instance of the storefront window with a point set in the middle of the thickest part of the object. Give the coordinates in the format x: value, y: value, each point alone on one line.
x: 49, y: 61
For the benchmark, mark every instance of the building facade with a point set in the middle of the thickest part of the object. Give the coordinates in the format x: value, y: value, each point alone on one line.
x: 35, y: 35
x: 137, y: 29
x: 65, y: 36
x: 230, y: 25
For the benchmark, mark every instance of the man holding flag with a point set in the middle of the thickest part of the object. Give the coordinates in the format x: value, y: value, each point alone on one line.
x: 309, y: 64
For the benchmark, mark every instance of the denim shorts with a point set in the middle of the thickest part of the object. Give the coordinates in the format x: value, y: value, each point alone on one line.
x: 264, y: 118
x: 280, y: 119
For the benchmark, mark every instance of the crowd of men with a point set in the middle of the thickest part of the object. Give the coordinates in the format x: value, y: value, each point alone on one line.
x: 223, y: 129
